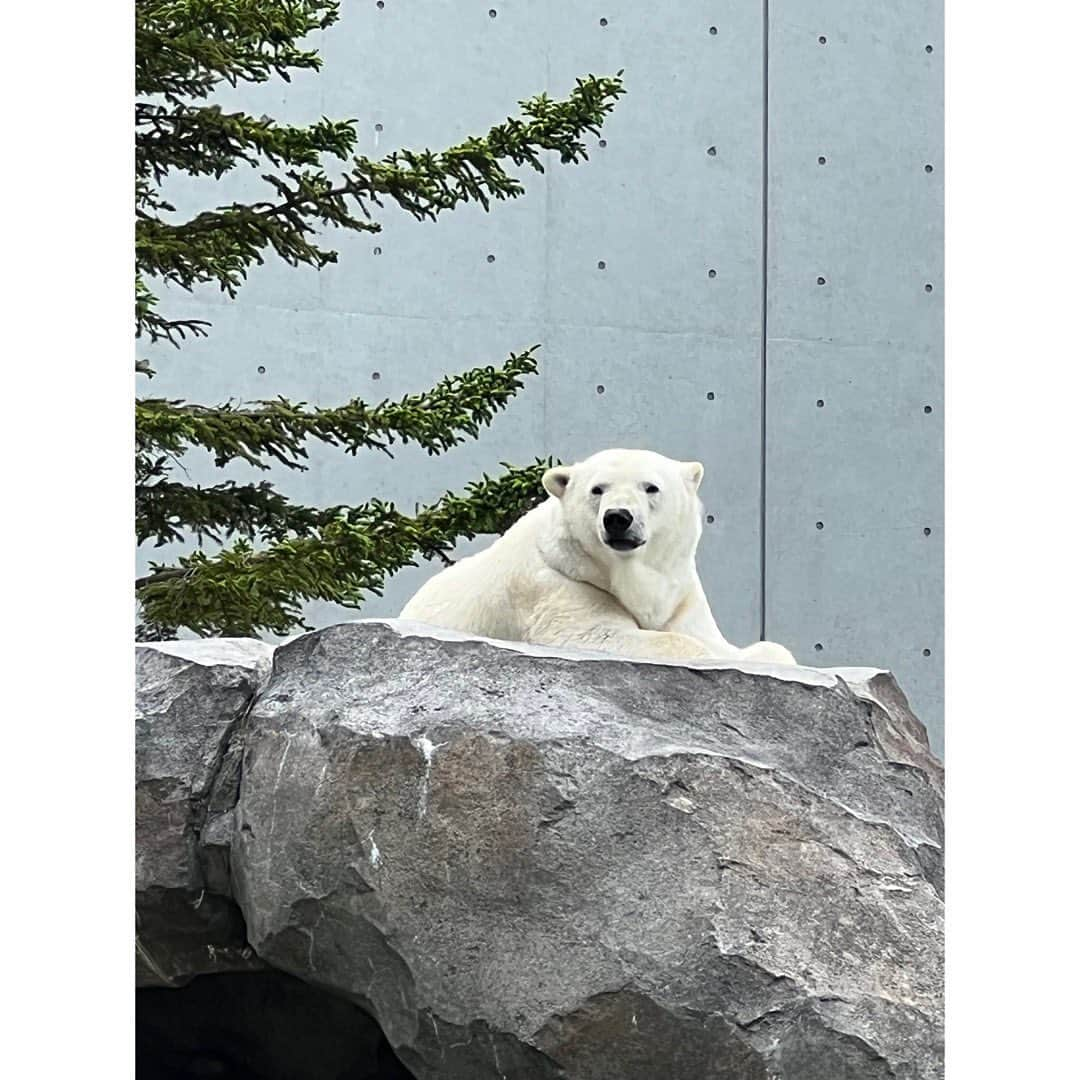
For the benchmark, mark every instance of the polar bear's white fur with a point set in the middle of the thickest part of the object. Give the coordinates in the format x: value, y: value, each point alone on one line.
x: 606, y: 563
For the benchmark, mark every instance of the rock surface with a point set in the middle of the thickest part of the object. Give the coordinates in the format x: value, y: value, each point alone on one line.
x: 530, y: 866
x: 189, y: 698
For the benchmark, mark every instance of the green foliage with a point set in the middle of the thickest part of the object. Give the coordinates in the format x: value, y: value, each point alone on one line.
x: 436, y: 420
x: 349, y: 553
x: 276, y: 554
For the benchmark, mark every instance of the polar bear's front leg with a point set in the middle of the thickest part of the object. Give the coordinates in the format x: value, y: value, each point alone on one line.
x: 631, y: 642
x: 584, y: 617
x: 651, y: 644
x: 695, y: 618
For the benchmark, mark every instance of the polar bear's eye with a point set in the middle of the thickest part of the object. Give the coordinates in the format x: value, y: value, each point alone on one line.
x: 651, y: 489
x: 598, y: 490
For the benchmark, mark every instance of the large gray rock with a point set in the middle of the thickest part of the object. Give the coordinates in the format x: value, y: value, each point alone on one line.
x: 529, y: 866
x: 189, y: 698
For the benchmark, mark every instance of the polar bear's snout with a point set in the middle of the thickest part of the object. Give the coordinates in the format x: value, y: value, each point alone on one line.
x: 619, y: 530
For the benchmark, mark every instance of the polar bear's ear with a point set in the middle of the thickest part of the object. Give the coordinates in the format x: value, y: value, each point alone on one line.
x: 555, y: 480
x: 693, y: 471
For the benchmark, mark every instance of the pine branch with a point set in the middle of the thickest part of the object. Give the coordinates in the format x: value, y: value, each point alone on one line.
x: 156, y: 327
x: 206, y: 141
x: 168, y: 511
x: 186, y: 48
x: 437, y: 420
x: 220, y: 245
x: 242, y: 591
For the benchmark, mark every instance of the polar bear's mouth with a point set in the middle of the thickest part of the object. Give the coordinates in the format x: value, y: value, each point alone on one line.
x: 623, y: 543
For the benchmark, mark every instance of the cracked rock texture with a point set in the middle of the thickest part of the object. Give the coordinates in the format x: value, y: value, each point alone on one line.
x: 526, y: 865
x: 189, y: 699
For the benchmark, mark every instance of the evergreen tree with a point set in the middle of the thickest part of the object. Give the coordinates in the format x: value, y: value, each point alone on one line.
x: 275, y: 554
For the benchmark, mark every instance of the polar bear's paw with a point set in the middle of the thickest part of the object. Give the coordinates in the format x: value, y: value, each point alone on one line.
x: 767, y: 652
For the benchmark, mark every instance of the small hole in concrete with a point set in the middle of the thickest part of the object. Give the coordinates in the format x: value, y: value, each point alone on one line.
x: 928, y: 408
x: 821, y: 403
x: 926, y: 652
x: 713, y: 31
x: 710, y: 396
x: 819, y: 524
x: 929, y: 48
x: 818, y: 646
x: 492, y: 13
x: 822, y: 40
x: 261, y: 370
x: 602, y: 143
x: 926, y: 532
x: 710, y: 519
x: 378, y: 127
x: 821, y: 281
x: 711, y: 151
x: 379, y: 4
x: 376, y: 251
x: 712, y: 273
x: 821, y: 160
x: 928, y: 168
x: 603, y: 22
x: 928, y: 287
x: 491, y: 258
x: 600, y: 388
x: 601, y: 265
x: 376, y: 375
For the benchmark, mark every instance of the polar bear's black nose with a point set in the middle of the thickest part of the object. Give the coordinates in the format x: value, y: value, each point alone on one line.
x: 617, y: 522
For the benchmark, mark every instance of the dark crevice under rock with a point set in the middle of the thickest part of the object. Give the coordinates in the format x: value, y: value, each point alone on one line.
x: 257, y: 1026
x: 179, y: 935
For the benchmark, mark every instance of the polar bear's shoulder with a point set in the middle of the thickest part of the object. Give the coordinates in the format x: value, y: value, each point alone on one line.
x: 493, y: 591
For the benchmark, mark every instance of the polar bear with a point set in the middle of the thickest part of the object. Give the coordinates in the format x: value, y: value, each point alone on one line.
x: 606, y: 563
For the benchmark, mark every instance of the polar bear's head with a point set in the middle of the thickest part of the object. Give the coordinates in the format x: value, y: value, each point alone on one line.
x: 619, y: 503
